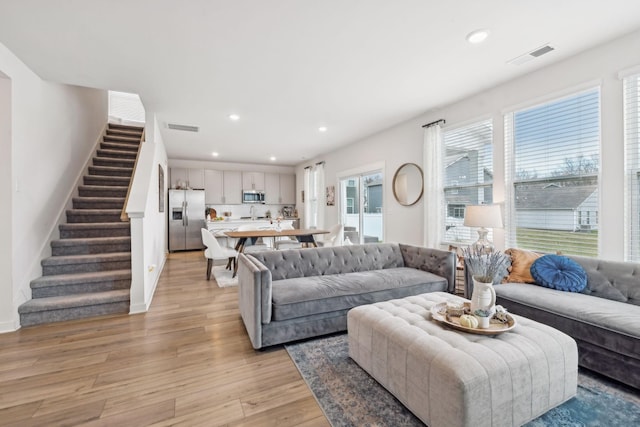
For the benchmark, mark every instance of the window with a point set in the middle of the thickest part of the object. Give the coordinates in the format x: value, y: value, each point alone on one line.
x: 632, y: 167
x: 552, y: 159
x: 468, y: 175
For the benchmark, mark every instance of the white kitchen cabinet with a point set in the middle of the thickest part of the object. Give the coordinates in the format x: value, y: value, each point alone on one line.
x: 288, y: 189
x: 232, y: 185
x: 279, y: 189
x: 253, y: 181
x: 191, y: 178
x: 213, y: 187
x: 272, y: 188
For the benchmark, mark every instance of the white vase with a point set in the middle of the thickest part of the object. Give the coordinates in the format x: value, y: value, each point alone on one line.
x: 483, y: 297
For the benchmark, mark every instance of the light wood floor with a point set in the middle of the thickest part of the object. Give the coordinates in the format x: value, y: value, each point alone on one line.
x: 188, y: 361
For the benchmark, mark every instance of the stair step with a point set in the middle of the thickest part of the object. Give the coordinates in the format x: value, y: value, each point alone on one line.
x: 120, y: 163
x: 56, y: 309
x: 124, y: 132
x: 70, y: 284
x: 117, y: 154
x: 98, y: 202
x: 121, y: 147
x: 90, y: 229
x: 110, y: 171
x: 67, y: 264
x: 90, y: 245
x: 117, y: 181
x: 102, y: 191
x: 122, y: 139
x: 93, y: 215
x: 129, y: 128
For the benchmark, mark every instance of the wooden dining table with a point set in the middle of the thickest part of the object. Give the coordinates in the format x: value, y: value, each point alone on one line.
x: 303, y: 235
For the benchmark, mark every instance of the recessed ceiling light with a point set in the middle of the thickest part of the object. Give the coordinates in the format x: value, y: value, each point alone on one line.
x: 477, y: 36
x: 322, y: 129
x: 234, y: 117
x: 272, y: 158
x: 214, y: 154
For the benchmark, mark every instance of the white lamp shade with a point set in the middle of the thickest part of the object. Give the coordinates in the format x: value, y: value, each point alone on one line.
x: 488, y: 216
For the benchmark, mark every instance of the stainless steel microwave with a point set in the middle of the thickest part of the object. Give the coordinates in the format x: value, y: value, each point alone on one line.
x: 252, y: 196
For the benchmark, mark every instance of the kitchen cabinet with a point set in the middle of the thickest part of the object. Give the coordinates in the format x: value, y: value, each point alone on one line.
x: 253, y: 181
x: 232, y: 186
x: 288, y: 189
x: 187, y: 177
x: 213, y: 187
x: 279, y: 189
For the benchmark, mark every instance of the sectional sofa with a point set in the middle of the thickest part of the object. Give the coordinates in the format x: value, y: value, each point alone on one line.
x: 300, y: 293
x: 604, y: 319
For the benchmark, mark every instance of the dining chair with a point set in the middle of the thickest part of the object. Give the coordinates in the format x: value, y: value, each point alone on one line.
x: 253, y: 245
x: 287, y: 242
x: 216, y: 252
x: 334, y: 238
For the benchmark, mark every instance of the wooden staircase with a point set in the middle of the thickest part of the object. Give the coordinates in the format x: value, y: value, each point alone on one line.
x: 89, y: 271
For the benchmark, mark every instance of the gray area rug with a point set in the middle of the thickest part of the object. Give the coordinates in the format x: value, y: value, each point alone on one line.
x: 350, y: 397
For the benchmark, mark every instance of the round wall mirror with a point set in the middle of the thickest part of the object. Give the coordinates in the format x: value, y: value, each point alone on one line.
x: 408, y: 184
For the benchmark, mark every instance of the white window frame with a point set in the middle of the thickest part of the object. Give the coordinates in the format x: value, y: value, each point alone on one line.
x: 510, y: 161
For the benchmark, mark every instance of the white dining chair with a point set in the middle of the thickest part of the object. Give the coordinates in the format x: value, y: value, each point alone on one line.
x: 333, y: 238
x: 215, y: 251
x: 287, y: 242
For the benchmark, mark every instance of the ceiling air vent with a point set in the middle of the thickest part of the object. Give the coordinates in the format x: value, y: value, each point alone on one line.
x: 535, y: 53
x: 186, y: 128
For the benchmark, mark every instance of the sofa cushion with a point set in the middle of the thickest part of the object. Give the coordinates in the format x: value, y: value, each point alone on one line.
x: 292, y: 263
x: 559, y: 272
x: 602, y: 322
x: 615, y: 280
x: 320, y: 294
x: 520, y: 269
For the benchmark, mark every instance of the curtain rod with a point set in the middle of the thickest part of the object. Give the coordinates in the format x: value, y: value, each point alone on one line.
x: 320, y: 163
x: 437, y: 122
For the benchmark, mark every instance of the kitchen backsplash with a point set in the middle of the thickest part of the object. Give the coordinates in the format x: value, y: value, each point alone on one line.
x: 238, y: 211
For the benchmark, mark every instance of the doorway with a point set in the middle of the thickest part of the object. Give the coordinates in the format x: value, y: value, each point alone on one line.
x: 361, y: 206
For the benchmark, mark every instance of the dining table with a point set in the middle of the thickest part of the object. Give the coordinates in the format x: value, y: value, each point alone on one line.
x: 303, y: 235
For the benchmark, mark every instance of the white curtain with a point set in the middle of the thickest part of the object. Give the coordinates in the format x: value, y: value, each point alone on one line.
x: 307, y: 198
x: 433, y: 186
x: 322, y: 195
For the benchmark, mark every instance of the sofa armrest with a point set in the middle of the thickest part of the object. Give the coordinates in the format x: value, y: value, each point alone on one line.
x: 436, y: 261
x: 254, y: 296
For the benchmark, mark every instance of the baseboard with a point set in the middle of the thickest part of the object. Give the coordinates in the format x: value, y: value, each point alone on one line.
x: 144, y: 307
x: 6, y: 327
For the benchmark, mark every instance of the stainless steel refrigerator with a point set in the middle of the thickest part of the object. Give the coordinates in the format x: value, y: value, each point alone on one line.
x: 186, y: 218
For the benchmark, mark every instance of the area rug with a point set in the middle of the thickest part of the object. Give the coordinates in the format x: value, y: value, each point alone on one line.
x: 350, y: 397
x: 223, y: 276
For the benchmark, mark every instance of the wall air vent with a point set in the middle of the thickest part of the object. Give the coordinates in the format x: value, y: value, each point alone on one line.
x: 186, y: 128
x: 535, y: 53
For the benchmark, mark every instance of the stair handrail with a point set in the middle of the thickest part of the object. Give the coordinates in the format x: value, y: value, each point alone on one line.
x: 123, y: 214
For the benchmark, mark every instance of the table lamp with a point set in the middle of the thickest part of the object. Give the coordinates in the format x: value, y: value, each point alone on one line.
x: 483, y: 216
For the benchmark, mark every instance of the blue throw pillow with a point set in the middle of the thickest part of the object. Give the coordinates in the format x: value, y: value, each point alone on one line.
x: 559, y: 272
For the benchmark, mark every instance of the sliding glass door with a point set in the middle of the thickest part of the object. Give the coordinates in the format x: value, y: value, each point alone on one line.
x: 361, y: 198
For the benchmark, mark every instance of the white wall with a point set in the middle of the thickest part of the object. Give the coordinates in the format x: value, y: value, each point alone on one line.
x: 201, y: 164
x: 7, y: 320
x: 403, y: 143
x: 148, y: 224
x: 54, y: 129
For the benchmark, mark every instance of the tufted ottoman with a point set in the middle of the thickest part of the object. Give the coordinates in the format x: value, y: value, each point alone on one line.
x: 449, y: 378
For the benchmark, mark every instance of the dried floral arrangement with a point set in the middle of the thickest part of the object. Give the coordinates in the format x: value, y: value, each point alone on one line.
x: 485, y: 266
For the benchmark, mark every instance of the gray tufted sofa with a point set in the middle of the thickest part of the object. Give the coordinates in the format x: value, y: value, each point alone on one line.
x: 604, y: 319
x: 300, y: 293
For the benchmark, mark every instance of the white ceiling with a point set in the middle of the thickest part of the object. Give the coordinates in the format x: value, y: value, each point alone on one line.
x: 289, y: 66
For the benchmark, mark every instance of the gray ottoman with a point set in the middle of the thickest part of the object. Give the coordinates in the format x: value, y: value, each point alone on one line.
x: 449, y: 378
